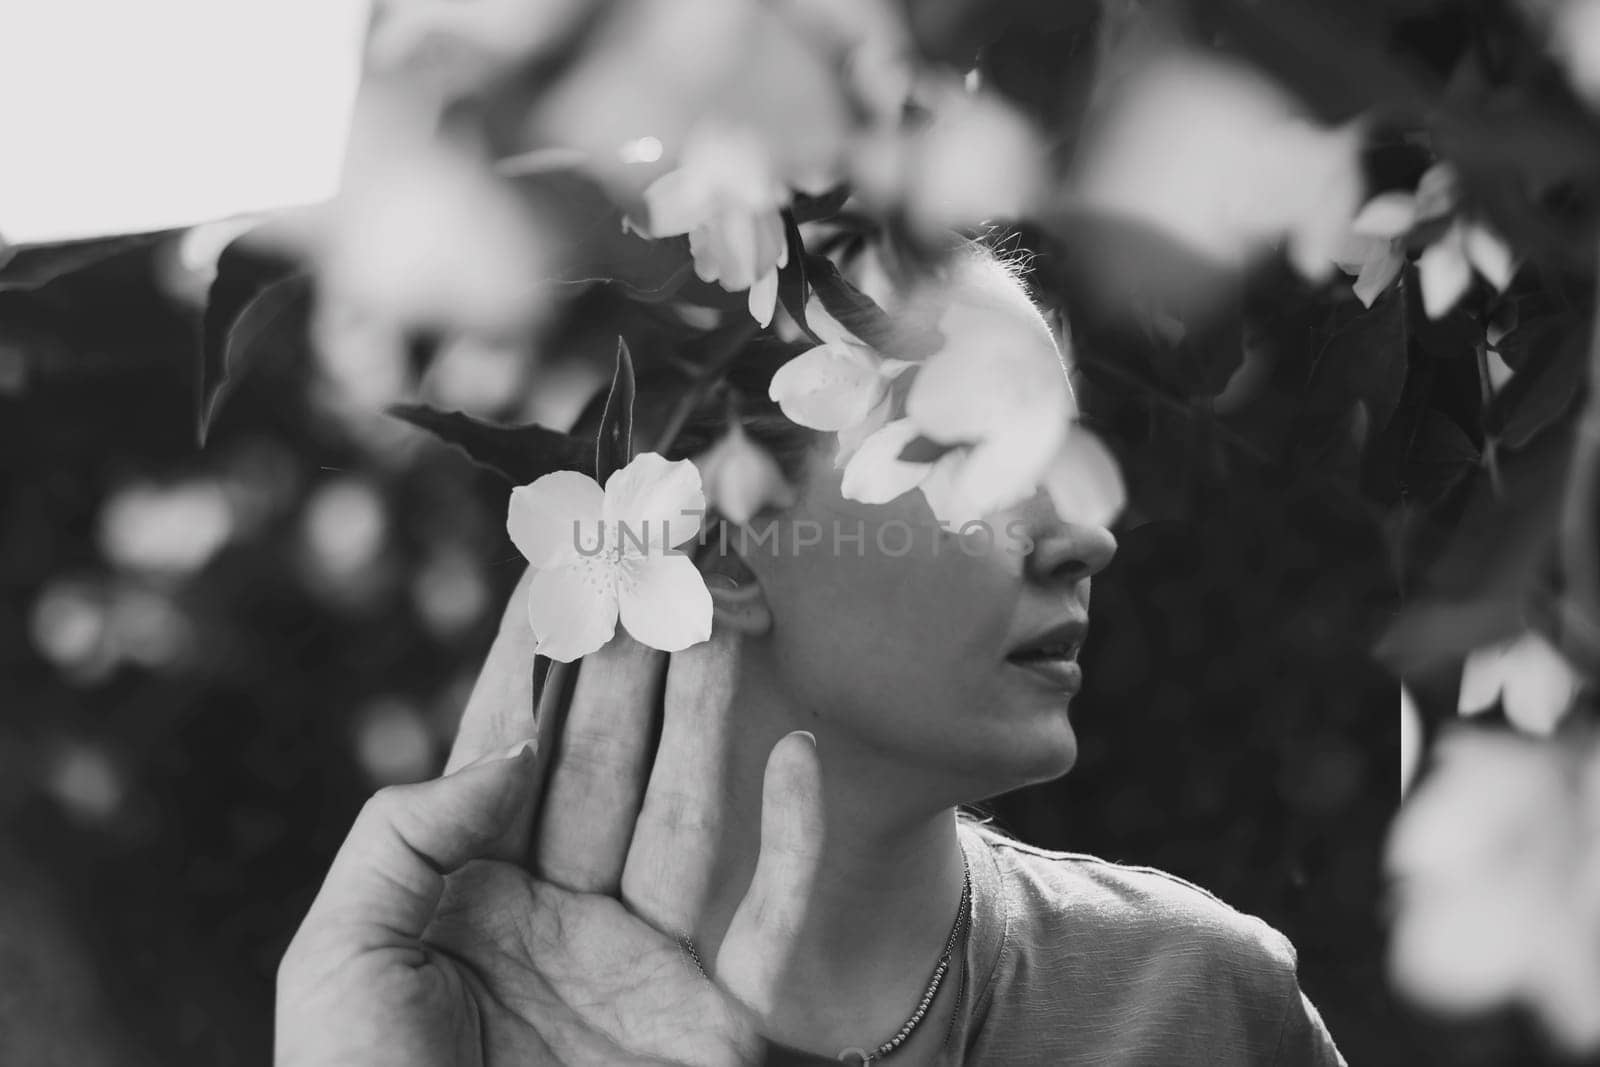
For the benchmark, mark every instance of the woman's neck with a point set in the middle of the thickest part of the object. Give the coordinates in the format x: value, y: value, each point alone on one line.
x: 884, y: 902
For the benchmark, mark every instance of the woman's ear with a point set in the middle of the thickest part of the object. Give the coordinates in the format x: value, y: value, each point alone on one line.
x: 737, y: 599
x: 740, y: 606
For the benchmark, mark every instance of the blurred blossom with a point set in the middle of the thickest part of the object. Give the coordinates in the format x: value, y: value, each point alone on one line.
x: 725, y: 196
x: 476, y: 375
x: 393, y: 742
x: 1224, y: 160
x: 363, y: 357
x: 657, y: 68
x: 1573, y: 31
x: 148, y: 628
x: 1410, y: 739
x: 974, y: 158
x: 343, y: 529
x: 1496, y: 866
x: 69, y: 627
x: 460, y: 48
x: 1375, y: 247
x: 82, y: 780
x: 171, y: 530
x: 260, y: 481
x: 423, y: 237
x: 741, y: 478
x: 449, y: 591
x: 838, y: 384
x: 1530, y: 678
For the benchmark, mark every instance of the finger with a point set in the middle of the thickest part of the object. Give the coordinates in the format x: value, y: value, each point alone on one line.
x: 667, y: 879
x: 386, y: 880
x: 767, y: 924
x: 500, y: 710
x: 599, y: 768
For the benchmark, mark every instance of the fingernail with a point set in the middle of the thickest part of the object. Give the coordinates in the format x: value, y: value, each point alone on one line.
x: 809, y: 736
x: 518, y: 749
x: 723, y: 581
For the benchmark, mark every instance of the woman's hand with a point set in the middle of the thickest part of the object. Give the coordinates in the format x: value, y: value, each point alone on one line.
x: 432, y: 944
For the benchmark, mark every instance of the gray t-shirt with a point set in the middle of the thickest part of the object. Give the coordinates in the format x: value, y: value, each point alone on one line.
x: 1076, y: 960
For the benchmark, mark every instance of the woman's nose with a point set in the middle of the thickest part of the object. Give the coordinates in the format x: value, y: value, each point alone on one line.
x: 1067, y: 551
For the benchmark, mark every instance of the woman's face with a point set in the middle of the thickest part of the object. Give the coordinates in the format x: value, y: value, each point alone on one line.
x: 904, y: 639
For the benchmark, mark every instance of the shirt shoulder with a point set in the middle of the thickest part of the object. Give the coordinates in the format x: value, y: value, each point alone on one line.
x: 1130, y: 907
x: 1132, y: 965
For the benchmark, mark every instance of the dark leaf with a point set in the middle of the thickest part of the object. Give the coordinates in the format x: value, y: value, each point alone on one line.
x: 859, y: 314
x: 520, y: 454
x: 257, y: 308
x: 614, y: 446
x: 807, y: 208
x: 1495, y: 557
x: 792, y: 286
x: 1441, y: 455
x: 1364, y: 359
x: 1548, y: 355
x: 30, y: 266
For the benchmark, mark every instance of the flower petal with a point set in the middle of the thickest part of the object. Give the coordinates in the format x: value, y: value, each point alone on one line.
x: 548, y: 518
x: 1008, y: 468
x: 1445, y: 275
x: 997, y: 365
x: 764, y: 298
x: 851, y: 437
x: 876, y: 474
x: 1487, y: 252
x: 742, y: 479
x: 829, y: 387
x: 945, y: 500
x: 573, y: 608
x: 664, y: 602
x: 677, y: 202
x: 1376, y: 274
x: 1482, y: 678
x: 1387, y: 215
x: 1085, y: 482
x: 654, y: 502
x: 1539, y: 685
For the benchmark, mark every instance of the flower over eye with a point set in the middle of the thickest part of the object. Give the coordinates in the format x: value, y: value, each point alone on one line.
x: 601, y: 555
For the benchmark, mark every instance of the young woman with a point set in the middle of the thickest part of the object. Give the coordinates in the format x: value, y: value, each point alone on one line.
x: 776, y: 870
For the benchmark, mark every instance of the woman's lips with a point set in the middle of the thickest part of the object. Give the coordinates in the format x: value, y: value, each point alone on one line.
x: 1059, y: 672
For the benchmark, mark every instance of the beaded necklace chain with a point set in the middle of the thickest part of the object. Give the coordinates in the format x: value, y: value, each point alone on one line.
x: 864, y: 1056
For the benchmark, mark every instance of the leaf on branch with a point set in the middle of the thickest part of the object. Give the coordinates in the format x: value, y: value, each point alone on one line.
x: 1441, y: 456
x: 258, y: 308
x: 519, y: 454
x: 793, y: 289
x: 860, y: 314
x: 1548, y: 355
x: 614, y: 444
x: 32, y: 266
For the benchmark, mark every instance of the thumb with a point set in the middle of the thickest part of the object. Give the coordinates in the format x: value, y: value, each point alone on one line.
x: 767, y: 924
x: 386, y: 880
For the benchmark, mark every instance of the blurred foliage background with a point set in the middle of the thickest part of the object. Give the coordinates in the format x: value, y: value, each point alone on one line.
x: 213, y: 655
